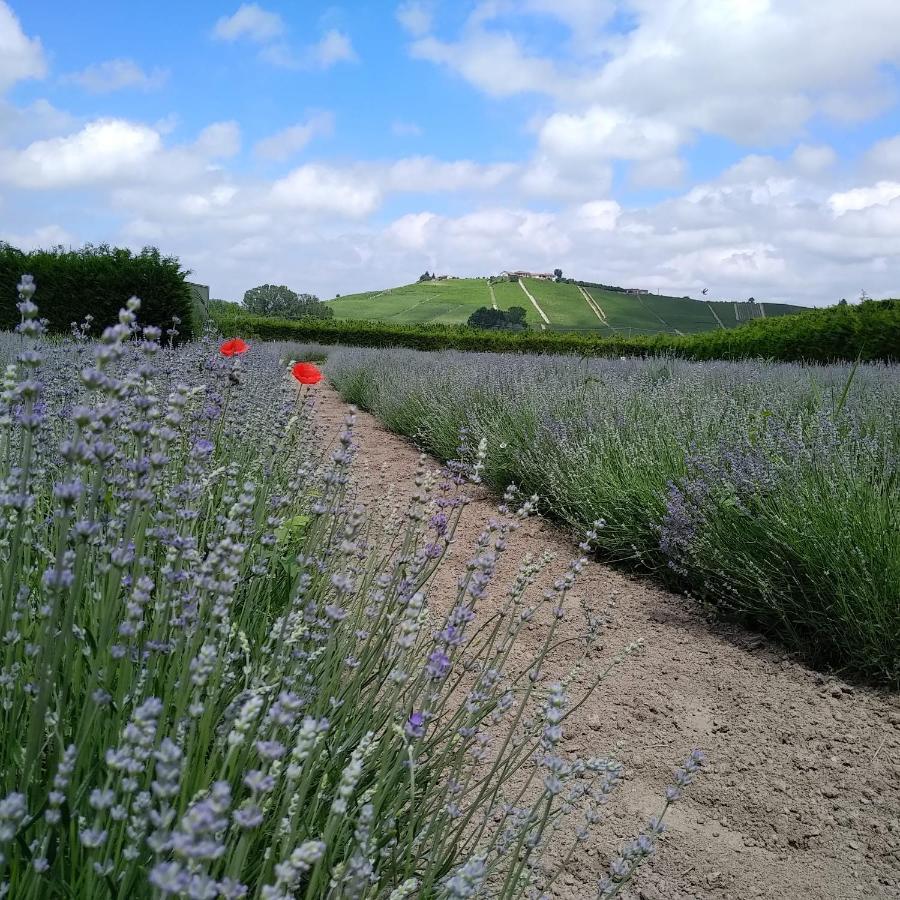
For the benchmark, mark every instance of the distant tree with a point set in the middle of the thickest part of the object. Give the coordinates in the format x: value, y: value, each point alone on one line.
x: 751, y: 299
x: 487, y: 317
x: 515, y: 316
x: 280, y: 300
x: 426, y: 276
x: 223, y: 307
x: 843, y: 302
x: 512, y: 319
x: 557, y: 274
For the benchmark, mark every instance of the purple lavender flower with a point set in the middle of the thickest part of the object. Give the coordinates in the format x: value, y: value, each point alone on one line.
x: 415, y: 725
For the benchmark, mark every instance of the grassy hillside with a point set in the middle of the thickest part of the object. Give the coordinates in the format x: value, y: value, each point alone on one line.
x: 567, y: 306
x: 446, y: 302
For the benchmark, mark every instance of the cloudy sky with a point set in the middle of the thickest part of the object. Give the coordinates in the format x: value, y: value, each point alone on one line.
x: 748, y: 146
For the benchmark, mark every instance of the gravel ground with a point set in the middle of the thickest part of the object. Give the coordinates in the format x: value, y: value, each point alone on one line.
x: 801, y: 796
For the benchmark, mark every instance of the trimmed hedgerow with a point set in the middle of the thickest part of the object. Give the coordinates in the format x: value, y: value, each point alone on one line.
x: 869, y: 331
x: 96, y: 281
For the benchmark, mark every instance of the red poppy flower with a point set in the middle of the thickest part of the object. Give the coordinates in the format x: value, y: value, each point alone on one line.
x: 234, y: 347
x: 306, y: 373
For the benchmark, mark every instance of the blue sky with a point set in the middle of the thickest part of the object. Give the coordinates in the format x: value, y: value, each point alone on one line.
x: 668, y: 144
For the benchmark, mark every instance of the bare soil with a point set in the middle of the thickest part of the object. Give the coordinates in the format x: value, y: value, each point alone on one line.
x: 801, y: 795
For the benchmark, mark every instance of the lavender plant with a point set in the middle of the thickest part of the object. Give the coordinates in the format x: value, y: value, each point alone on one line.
x: 219, y: 679
x: 770, y: 489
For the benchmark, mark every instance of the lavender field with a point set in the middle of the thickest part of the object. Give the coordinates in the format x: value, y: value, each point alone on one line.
x: 771, y: 491
x: 220, y: 679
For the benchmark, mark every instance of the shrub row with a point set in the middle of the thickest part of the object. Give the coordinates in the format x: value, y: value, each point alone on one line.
x: 869, y: 331
x: 769, y: 490
x: 96, y: 281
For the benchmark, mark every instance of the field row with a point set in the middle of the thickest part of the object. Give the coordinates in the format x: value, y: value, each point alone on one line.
x: 768, y: 489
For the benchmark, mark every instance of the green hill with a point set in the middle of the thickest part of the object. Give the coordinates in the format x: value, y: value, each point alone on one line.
x: 565, y: 306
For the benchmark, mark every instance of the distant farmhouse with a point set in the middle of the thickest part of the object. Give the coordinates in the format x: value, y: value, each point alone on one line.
x: 636, y: 291
x: 515, y: 276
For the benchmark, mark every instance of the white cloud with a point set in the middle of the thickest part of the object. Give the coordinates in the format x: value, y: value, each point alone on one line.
x: 580, y: 15
x: 21, y: 57
x: 289, y: 141
x: 358, y: 190
x: 607, y: 132
x: 598, y: 215
x: 415, y: 18
x: 546, y: 177
x: 748, y: 68
x: 425, y: 174
x: 251, y: 22
x: 880, y: 194
x: 332, y: 48
x: 40, y: 238
x: 400, y: 128
x: 220, y: 140
x: 666, y: 172
x: 494, y: 62
x: 21, y: 125
x: 885, y: 156
x: 325, y: 189
x: 413, y: 230
x: 745, y: 69
x: 813, y: 160
x: 102, y: 151
x: 118, y: 74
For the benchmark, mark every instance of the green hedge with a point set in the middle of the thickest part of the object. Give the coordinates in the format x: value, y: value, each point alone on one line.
x: 96, y: 280
x: 868, y: 331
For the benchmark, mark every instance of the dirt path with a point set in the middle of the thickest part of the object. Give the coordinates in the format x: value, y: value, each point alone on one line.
x: 801, y: 798
x: 535, y: 304
x: 593, y: 305
x: 713, y: 311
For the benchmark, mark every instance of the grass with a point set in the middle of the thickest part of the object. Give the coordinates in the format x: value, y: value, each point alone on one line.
x: 769, y: 490
x: 442, y: 302
x: 454, y: 300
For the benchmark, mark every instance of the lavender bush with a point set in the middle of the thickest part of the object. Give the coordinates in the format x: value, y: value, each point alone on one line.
x: 771, y: 489
x: 220, y: 680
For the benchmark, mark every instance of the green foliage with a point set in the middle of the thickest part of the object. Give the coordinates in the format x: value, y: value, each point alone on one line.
x: 280, y: 300
x: 868, y: 331
x: 219, y: 308
x: 97, y: 281
x: 487, y: 317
